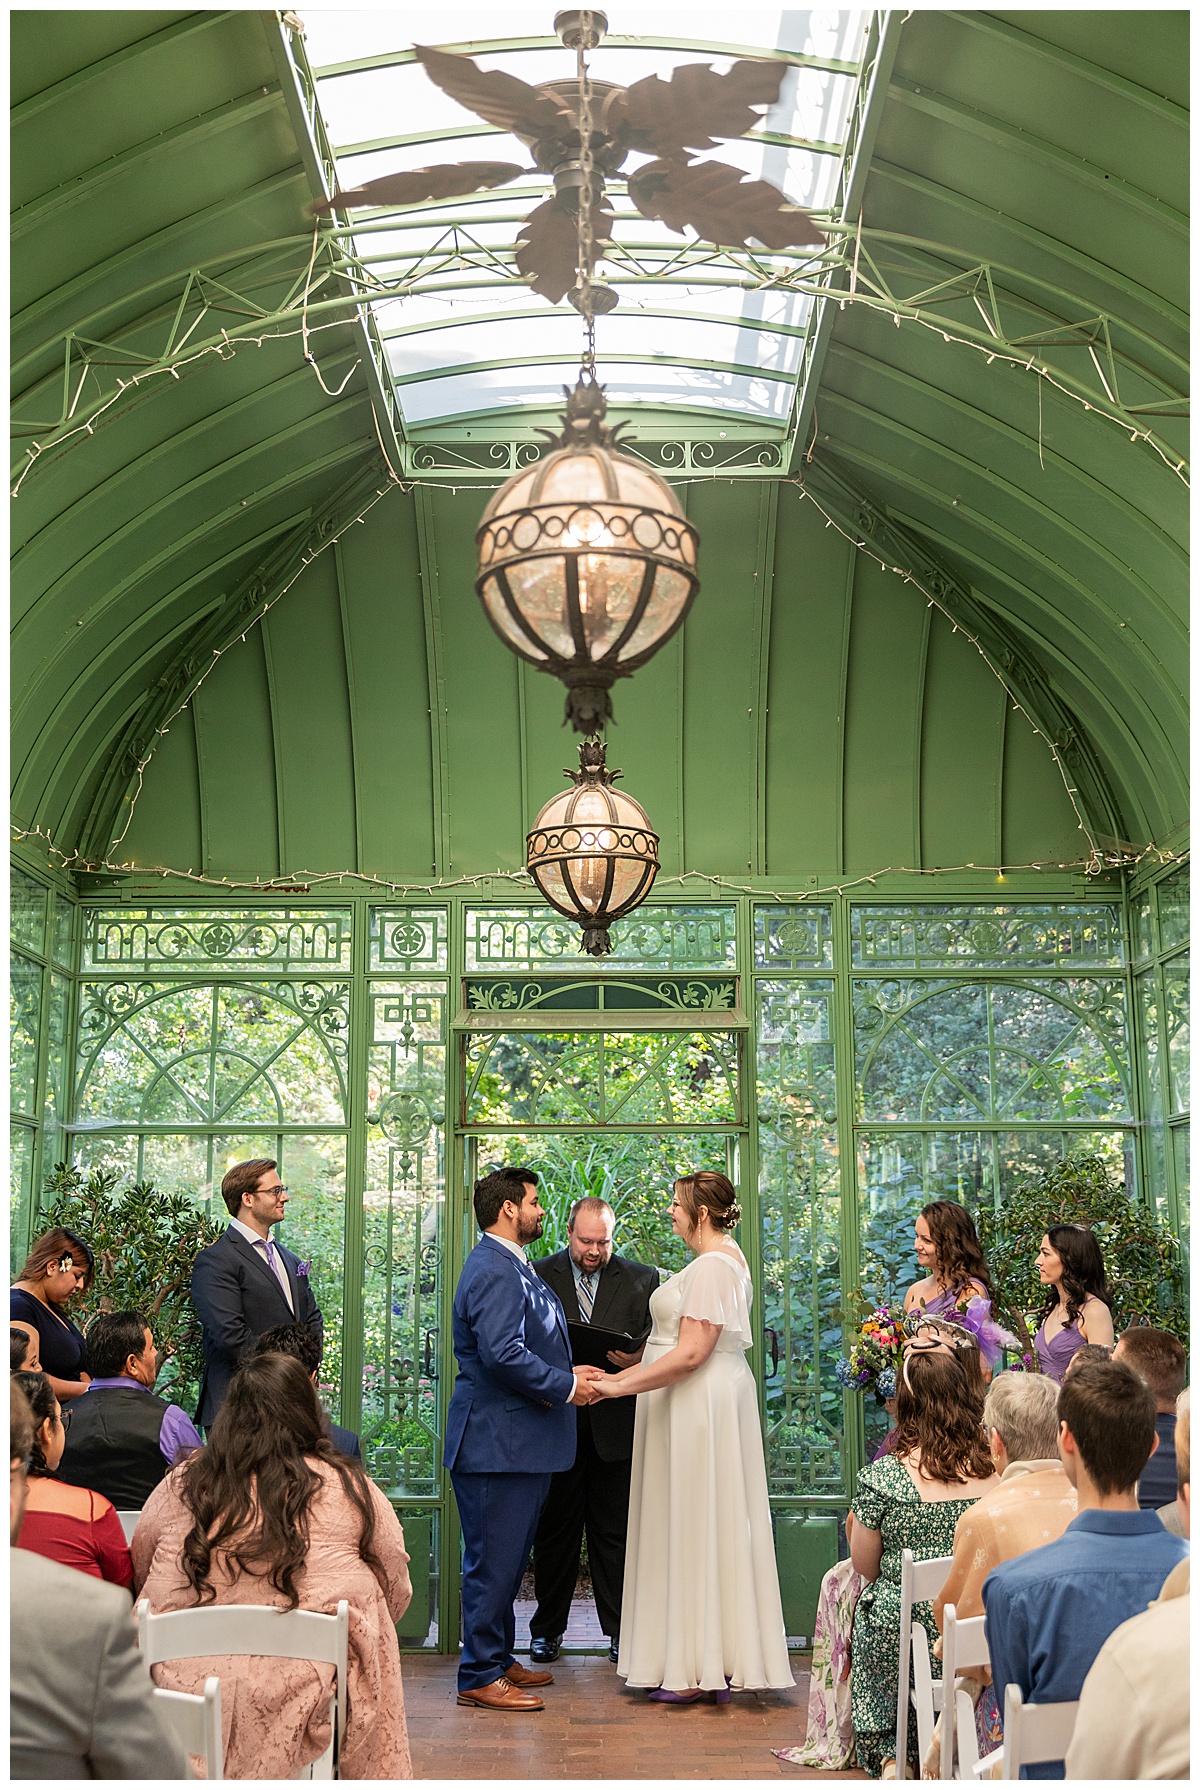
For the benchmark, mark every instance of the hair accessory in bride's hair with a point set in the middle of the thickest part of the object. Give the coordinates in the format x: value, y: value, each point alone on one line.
x: 732, y: 1215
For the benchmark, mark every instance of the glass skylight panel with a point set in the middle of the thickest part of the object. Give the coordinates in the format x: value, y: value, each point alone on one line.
x: 464, y: 335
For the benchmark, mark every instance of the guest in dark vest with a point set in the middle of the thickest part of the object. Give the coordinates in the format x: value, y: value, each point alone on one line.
x: 123, y: 1438
x: 595, y: 1287
x: 245, y: 1282
x: 305, y: 1347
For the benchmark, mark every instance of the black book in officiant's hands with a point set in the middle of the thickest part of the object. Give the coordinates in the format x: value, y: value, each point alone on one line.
x: 590, y: 1345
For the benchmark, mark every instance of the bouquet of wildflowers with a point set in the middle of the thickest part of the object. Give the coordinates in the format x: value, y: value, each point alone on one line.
x: 876, y: 1354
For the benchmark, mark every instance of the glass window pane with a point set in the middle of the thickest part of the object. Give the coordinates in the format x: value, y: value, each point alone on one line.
x: 1141, y: 919
x: 57, y: 1066
x: 25, y: 1017
x: 187, y: 938
x: 1175, y: 982
x: 27, y: 913
x: 928, y: 1051
x: 800, y: 1206
x: 668, y: 938
x: 1174, y: 893
x: 20, y: 1182
x: 793, y: 937
x: 64, y: 932
x: 408, y: 940
x: 1181, y: 1144
x: 929, y: 936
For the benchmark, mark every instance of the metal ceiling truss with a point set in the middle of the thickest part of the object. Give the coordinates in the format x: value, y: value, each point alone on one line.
x: 230, y: 620
x: 871, y: 527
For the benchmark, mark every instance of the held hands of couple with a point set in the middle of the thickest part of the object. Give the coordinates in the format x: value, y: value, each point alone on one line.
x: 587, y: 1385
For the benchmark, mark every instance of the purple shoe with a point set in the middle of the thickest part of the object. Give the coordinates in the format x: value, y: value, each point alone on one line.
x: 661, y: 1696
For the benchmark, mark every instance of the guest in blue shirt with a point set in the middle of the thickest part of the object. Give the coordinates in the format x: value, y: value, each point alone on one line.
x: 1161, y: 1360
x: 1049, y: 1612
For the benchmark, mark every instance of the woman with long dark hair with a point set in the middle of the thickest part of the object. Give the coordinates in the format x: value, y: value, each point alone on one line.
x: 957, y: 1284
x: 1077, y: 1308
x: 271, y: 1513
x: 911, y: 1498
x: 58, y: 1267
x: 68, y: 1523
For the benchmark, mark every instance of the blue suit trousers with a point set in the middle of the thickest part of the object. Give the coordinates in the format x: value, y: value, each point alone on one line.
x: 499, y: 1513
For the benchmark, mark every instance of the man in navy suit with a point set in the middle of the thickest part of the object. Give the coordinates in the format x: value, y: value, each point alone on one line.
x: 509, y: 1428
x: 245, y: 1283
x: 305, y: 1347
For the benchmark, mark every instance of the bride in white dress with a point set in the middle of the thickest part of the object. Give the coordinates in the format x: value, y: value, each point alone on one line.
x: 700, y: 1608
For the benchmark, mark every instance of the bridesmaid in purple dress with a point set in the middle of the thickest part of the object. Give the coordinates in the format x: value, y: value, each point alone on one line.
x: 957, y: 1284
x: 1077, y: 1308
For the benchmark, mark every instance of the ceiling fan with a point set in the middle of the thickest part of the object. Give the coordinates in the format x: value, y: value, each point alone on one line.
x: 668, y: 120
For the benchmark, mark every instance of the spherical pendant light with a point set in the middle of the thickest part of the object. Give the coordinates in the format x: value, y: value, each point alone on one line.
x: 587, y: 563
x: 592, y: 851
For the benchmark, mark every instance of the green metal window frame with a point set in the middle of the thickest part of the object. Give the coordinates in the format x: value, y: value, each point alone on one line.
x: 369, y: 965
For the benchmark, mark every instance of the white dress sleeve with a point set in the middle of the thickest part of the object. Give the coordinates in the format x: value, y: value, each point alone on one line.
x: 716, y: 1291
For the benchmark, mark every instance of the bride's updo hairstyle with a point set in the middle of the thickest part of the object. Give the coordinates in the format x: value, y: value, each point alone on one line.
x: 708, y: 1189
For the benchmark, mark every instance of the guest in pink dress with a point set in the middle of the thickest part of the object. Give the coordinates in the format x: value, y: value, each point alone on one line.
x: 271, y: 1513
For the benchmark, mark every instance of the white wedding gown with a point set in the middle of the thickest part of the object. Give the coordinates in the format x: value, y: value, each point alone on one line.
x: 701, y: 1596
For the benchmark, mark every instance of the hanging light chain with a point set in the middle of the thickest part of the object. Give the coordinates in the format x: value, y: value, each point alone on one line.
x: 586, y: 253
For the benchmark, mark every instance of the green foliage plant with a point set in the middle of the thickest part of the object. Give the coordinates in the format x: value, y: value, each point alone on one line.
x: 1142, y: 1259
x: 145, y: 1243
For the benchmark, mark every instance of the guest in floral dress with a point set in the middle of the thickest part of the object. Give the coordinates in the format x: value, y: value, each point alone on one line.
x: 911, y: 1498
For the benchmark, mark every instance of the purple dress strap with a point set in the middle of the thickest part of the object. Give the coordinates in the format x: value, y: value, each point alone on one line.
x: 1054, y: 1357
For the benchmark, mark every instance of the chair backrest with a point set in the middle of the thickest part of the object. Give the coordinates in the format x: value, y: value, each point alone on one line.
x: 249, y: 1629
x: 129, y: 1520
x: 920, y: 1580
x: 196, y: 1723
x: 1034, y: 1733
x: 964, y: 1645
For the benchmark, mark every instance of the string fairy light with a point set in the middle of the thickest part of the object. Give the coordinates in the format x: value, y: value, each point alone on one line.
x: 303, y: 881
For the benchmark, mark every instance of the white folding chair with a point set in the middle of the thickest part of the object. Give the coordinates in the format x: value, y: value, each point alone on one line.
x: 129, y: 1520
x: 964, y: 1646
x: 259, y: 1630
x: 920, y: 1580
x: 196, y: 1723
x: 1034, y: 1733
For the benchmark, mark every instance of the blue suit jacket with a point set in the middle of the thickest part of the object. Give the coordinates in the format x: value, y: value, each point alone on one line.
x: 237, y: 1298
x: 509, y: 1411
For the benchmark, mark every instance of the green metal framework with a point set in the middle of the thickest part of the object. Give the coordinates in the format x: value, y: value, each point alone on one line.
x: 848, y: 1059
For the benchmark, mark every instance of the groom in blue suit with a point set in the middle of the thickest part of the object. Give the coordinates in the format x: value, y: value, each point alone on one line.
x: 509, y: 1428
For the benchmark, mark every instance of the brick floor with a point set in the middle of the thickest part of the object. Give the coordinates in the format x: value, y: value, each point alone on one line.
x: 592, y: 1727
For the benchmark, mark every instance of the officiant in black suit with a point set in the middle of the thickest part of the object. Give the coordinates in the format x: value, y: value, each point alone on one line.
x: 595, y: 1287
x: 245, y: 1283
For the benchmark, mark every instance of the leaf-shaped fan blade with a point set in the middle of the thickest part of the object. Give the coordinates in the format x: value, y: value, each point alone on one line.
x: 416, y: 184
x: 720, y: 204
x: 696, y: 106
x: 548, y: 246
x: 500, y: 99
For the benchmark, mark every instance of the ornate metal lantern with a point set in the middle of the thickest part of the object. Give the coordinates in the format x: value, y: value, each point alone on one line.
x: 592, y: 851
x: 587, y: 563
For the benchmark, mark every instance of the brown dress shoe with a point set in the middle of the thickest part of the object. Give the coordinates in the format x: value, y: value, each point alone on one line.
x: 501, y: 1694
x: 521, y: 1675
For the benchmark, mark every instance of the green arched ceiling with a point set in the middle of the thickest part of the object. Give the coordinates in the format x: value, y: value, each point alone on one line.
x: 1024, y: 192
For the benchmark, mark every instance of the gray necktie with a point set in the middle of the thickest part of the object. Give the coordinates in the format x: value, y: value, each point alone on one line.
x: 587, y: 1297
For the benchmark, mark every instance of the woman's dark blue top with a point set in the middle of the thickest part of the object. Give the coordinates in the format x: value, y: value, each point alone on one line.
x: 61, y: 1345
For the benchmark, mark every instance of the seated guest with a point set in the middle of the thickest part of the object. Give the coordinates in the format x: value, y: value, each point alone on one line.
x: 1161, y: 1360
x: 304, y: 1346
x: 1050, y: 1612
x: 1089, y: 1352
x: 271, y: 1513
x: 81, y: 1704
x: 23, y: 1349
x: 1031, y: 1505
x: 58, y: 1267
x: 1134, y: 1708
x: 122, y: 1438
x: 911, y: 1498
x: 77, y: 1528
